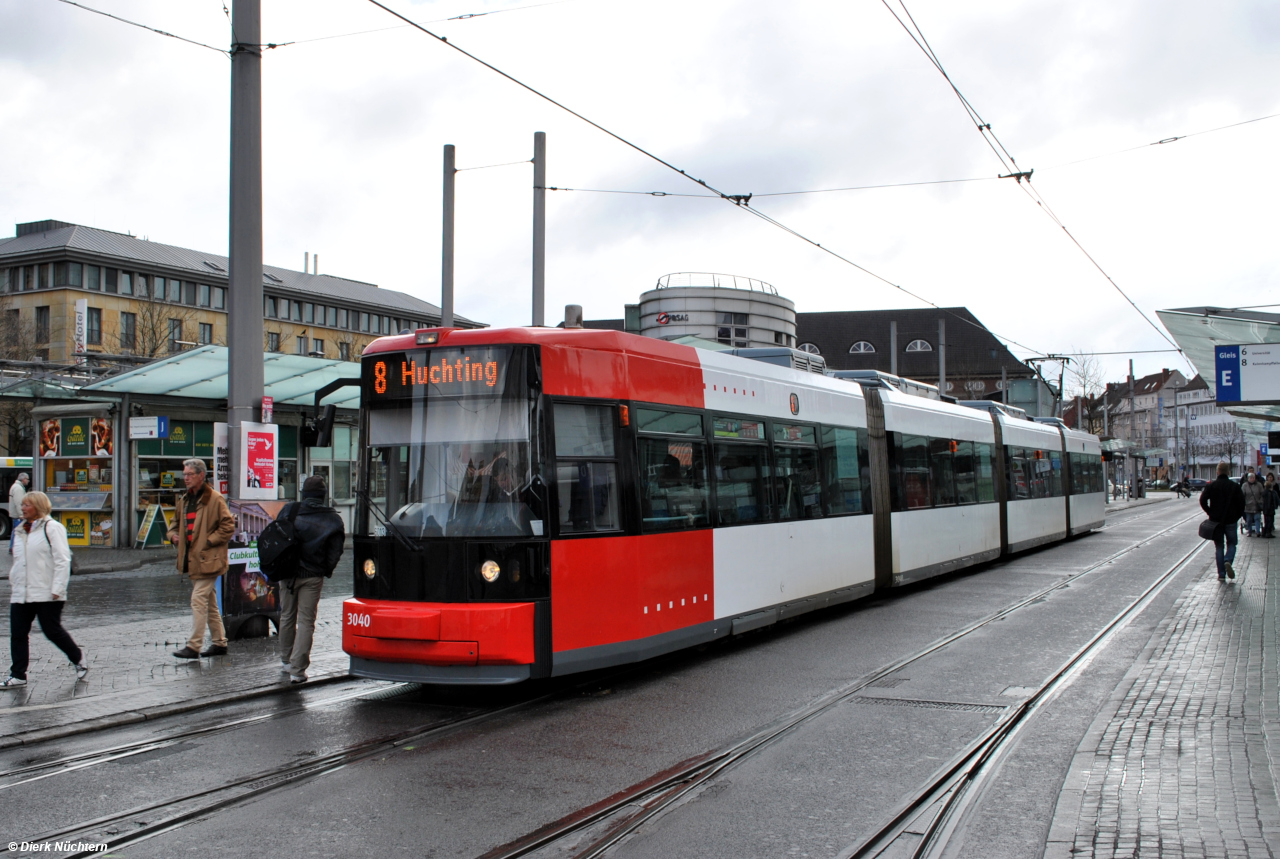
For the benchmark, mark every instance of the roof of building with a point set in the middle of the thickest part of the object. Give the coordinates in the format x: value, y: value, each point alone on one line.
x: 972, y: 350
x: 126, y: 250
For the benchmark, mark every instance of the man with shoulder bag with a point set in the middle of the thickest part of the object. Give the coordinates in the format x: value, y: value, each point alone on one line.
x: 318, y: 538
x: 1223, y: 501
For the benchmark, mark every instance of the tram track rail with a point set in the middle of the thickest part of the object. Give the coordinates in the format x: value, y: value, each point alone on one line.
x: 593, y: 831
x: 614, y: 818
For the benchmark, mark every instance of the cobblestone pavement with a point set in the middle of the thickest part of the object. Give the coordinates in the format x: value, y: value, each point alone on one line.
x: 1180, y: 762
x: 129, y: 623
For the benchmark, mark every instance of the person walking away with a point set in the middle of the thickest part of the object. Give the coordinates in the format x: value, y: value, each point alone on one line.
x: 38, y: 580
x: 1223, y: 501
x: 1271, y: 495
x: 202, y: 525
x: 1254, y: 503
x: 16, y: 491
x: 319, y: 537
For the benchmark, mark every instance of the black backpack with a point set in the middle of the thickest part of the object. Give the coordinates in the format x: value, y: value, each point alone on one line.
x: 278, y: 548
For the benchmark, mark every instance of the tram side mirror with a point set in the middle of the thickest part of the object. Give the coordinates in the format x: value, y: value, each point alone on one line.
x: 324, y: 426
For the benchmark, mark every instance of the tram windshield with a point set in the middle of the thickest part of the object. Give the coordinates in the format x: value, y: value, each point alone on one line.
x: 455, y: 466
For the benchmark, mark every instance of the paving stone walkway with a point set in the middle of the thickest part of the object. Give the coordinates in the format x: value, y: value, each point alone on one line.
x: 1180, y: 763
x: 129, y: 624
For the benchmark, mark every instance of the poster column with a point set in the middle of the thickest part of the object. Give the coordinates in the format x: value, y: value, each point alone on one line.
x: 246, y: 593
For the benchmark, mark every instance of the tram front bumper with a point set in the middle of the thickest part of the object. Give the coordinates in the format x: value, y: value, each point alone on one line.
x: 438, y: 633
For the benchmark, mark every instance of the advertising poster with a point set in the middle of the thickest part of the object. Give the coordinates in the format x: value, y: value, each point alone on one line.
x: 101, y: 438
x: 181, y: 440
x: 76, y: 437
x: 221, y: 459
x: 50, y: 437
x: 259, y: 443
x: 245, y: 589
x: 100, y: 532
x: 77, y: 525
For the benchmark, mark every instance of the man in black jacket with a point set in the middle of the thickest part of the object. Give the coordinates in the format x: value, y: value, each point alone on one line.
x: 1224, y: 502
x: 320, y: 536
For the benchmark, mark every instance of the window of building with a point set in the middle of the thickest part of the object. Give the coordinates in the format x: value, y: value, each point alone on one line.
x: 308, y: 313
x: 6, y: 282
x: 140, y: 286
x: 733, y: 319
x: 317, y: 347
x: 175, y: 335
x: 126, y: 283
x: 297, y: 311
x: 269, y: 307
x: 189, y: 293
x: 811, y: 348
x: 344, y: 351
x: 173, y: 292
x: 342, y: 317
x: 586, y: 468
x: 219, y: 298
x: 42, y: 324
x: 331, y: 317
x: 918, y: 346
x: 203, y: 298
x: 364, y: 322
x: 60, y: 274
x: 128, y: 331
x: 93, y: 326
x: 46, y: 275
x: 273, y: 341
x: 206, y: 333
x: 301, y: 346
x: 861, y: 347
x: 157, y: 288
x: 110, y: 282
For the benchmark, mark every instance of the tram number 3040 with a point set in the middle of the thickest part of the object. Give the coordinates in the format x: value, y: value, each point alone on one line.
x: 356, y: 619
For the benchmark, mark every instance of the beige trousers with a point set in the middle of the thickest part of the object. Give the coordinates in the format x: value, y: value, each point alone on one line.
x: 298, y: 621
x: 205, y: 613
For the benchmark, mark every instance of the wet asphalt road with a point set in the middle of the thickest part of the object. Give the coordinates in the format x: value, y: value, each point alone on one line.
x: 578, y: 741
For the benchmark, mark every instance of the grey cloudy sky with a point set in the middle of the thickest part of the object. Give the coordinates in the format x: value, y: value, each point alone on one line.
x: 119, y: 128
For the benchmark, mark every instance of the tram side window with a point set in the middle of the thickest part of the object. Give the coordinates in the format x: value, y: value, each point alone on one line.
x: 844, y: 461
x: 942, y: 469
x: 916, y: 490
x: 966, y: 483
x: 1056, y: 486
x: 587, y: 487
x: 674, y: 490
x: 1034, y: 473
x: 984, y: 471
x: 797, y: 489
x: 1019, y: 474
x: 741, y: 493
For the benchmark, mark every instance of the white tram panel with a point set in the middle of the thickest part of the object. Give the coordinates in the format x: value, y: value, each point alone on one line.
x: 758, y: 566
x: 937, y: 540
x: 742, y: 386
x: 1087, y: 511
x: 772, y: 564
x: 1033, y: 521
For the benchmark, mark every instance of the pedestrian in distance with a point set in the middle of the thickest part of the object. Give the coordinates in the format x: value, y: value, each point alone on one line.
x: 1254, y: 503
x: 16, y: 491
x: 38, y: 581
x: 319, y: 536
x: 1272, y: 501
x: 1223, y: 501
x: 202, y: 525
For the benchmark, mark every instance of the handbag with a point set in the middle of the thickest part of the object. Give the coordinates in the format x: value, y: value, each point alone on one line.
x: 1209, y: 529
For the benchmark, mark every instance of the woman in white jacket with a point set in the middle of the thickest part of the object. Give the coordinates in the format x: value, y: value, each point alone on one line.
x: 39, y: 576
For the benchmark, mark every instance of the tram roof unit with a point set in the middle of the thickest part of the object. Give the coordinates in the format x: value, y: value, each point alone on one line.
x: 934, y: 417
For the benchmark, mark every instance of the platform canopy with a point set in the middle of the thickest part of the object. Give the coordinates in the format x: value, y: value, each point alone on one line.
x: 202, y: 373
x: 1199, y: 330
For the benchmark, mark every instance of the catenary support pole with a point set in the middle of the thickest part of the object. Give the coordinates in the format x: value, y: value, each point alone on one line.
x: 244, y: 296
x: 1133, y: 484
x: 1004, y: 385
x: 539, y: 227
x: 942, y: 357
x: 893, y: 347
x: 446, y: 240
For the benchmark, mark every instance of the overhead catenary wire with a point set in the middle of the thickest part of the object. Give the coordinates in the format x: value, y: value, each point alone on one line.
x: 1164, y: 141
x: 739, y: 200
x: 464, y: 17
x: 1008, y: 161
x: 145, y: 26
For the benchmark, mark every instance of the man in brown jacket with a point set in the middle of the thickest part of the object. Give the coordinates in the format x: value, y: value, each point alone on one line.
x: 202, y: 525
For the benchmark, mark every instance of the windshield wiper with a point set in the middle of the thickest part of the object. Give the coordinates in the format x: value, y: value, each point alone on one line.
x: 395, y: 531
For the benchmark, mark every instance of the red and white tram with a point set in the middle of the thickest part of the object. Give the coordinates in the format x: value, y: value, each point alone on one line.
x: 537, y: 502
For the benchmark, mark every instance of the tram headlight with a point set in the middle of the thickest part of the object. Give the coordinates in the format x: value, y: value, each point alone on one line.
x: 370, y: 569
x: 490, y: 571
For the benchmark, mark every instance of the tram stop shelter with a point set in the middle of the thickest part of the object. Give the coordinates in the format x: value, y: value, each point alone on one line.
x: 190, y: 390
x: 1200, y: 330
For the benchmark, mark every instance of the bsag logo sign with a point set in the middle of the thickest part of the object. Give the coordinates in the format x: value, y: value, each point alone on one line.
x: 665, y: 318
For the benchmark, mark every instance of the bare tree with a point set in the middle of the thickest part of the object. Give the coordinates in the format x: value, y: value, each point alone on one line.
x: 16, y: 427
x: 17, y: 337
x: 1085, y: 379
x: 152, y: 322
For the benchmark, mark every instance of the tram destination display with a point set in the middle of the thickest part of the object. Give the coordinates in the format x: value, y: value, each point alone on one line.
x: 438, y: 373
